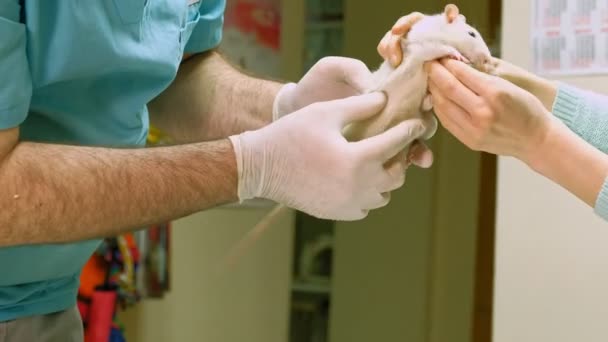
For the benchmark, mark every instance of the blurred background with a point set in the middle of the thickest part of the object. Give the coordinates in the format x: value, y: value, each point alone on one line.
x: 475, y: 249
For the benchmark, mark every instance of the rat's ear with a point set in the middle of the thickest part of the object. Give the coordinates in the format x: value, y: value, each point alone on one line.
x: 462, y: 18
x: 451, y: 12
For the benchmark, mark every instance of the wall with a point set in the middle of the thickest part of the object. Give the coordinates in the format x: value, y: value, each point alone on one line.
x: 248, y: 302
x: 381, y: 265
x: 552, y: 252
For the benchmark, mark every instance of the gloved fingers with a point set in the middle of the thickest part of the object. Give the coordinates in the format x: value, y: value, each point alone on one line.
x: 390, y: 48
x: 378, y: 200
x: 352, y: 72
x: 386, y: 145
x: 399, y: 163
x: 358, y: 108
x: 395, y: 172
x: 420, y: 155
x: 383, y: 49
x: 352, y: 215
x: 395, y: 51
x: 404, y: 24
x: 431, y: 124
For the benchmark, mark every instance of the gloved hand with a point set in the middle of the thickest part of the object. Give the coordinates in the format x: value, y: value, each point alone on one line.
x: 331, y: 78
x: 334, y: 78
x: 303, y: 161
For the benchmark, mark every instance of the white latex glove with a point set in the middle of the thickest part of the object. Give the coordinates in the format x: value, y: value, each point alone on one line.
x: 331, y: 78
x: 303, y: 161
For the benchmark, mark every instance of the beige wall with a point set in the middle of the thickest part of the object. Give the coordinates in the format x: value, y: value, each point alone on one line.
x: 552, y: 252
x: 246, y: 303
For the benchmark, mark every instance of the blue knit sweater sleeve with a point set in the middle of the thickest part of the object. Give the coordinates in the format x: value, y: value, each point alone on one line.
x: 586, y: 114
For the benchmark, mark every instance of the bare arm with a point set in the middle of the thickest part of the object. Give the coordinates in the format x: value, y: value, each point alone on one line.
x: 492, y: 115
x: 563, y: 156
x: 545, y: 90
x: 210, y: 100
x: 57, y: 193
x: 571, y: 162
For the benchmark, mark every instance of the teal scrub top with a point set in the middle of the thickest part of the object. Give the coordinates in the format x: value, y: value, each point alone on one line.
x: 82, y: 72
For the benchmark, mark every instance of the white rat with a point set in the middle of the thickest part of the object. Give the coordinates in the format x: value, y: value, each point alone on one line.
x: 431, y: 38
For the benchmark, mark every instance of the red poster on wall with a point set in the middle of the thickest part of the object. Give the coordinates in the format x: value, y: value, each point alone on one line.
x: 252, y: 35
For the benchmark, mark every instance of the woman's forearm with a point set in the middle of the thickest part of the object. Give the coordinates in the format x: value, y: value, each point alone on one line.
x: 584, y: 112
x: 571, y: 162
x: 545, y: 90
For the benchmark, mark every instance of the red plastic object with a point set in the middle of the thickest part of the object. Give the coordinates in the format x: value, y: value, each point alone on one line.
x: 93, y: 274
x: 100, y: 315
x: 84, y: 310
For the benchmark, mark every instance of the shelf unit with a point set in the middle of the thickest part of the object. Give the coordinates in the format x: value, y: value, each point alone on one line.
x: 322, y: 32
x: 251, y: 42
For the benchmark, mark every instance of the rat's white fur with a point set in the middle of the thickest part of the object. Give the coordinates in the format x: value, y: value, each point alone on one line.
x: 406, y: 86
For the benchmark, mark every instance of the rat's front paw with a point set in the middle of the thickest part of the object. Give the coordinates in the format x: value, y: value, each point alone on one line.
x: 491, y: 67
x: 459, y: 57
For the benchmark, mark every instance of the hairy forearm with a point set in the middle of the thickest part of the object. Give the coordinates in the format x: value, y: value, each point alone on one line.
x: 57, y: 193
x: 211, y: 100
x: 571, y: 162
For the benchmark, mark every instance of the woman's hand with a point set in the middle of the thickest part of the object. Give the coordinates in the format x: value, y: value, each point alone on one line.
x: 487, y: 113
x: 543, y: 89
x: 390, y: 49
x: 390, y: 46
x: 493, y: 115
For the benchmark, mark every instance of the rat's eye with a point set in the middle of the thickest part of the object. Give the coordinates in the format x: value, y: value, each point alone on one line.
x: 472, y: 34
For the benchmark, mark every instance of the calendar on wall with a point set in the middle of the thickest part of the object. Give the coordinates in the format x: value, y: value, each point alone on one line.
x: 569, y: 37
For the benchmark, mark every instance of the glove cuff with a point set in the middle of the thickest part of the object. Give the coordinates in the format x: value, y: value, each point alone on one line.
x: 280, y: 106
x: 248, y: 179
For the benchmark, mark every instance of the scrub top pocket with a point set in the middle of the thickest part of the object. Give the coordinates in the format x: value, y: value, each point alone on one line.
x: 192, y: 18
x: 130, y: 11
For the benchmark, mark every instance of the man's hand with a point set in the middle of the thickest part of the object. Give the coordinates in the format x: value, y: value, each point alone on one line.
x: 331, y: 78
x: 334, y: 78
x: 390, y: 46
x: 303, y: 160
